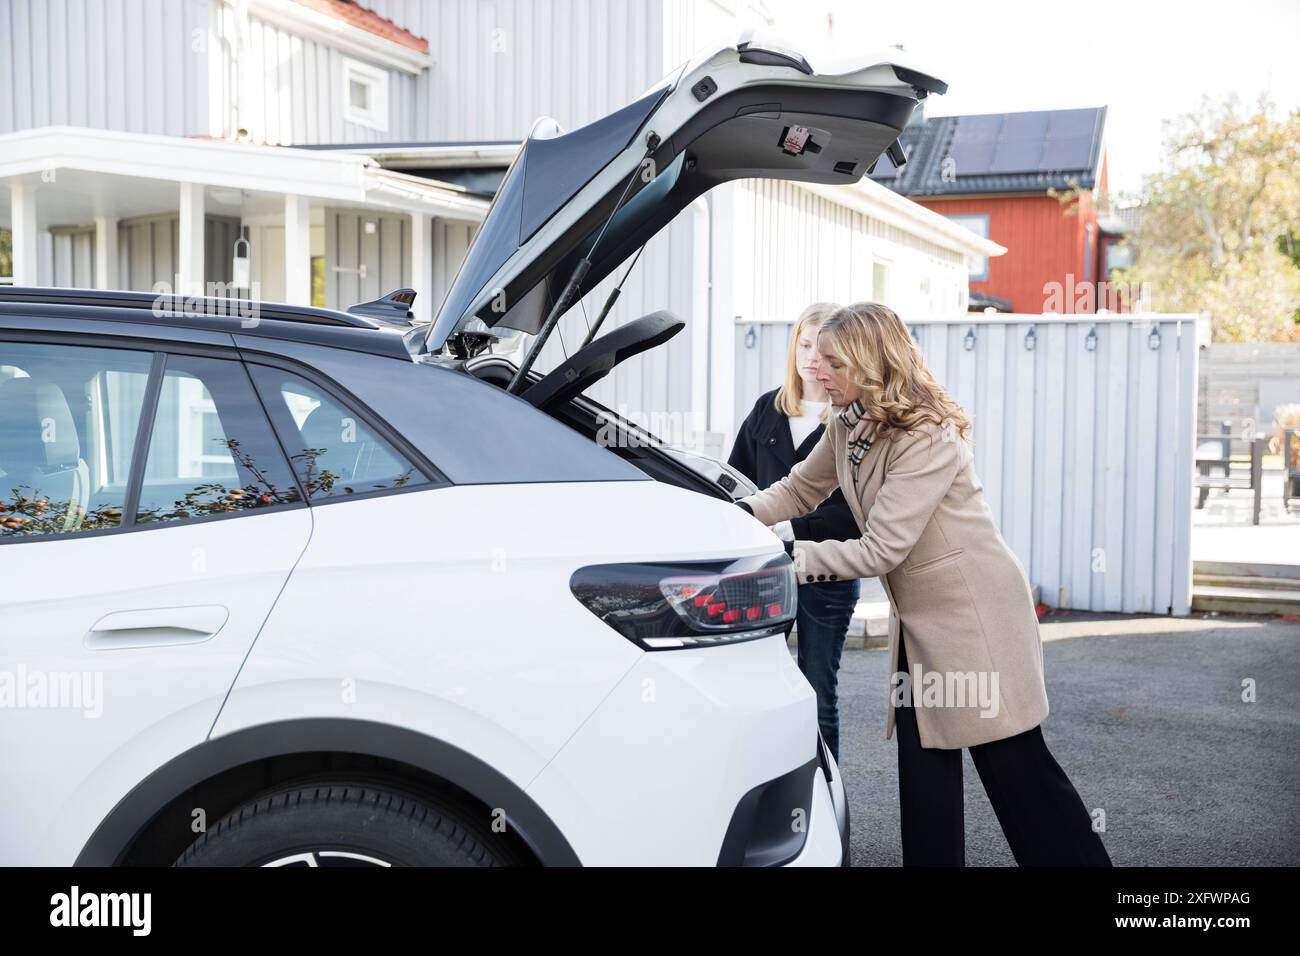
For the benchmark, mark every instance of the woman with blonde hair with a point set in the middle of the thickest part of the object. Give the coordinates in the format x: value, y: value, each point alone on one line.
x: 784, y: 426
x: 961, y: 610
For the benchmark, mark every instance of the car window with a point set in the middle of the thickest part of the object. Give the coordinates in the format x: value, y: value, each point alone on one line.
x: 211, y: 449
x: 334, y: 452
x: 68, y: 422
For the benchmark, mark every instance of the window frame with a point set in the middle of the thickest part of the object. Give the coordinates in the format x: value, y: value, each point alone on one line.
x: 961, y: 218
x: 159, y: 350
x: 375, y: 116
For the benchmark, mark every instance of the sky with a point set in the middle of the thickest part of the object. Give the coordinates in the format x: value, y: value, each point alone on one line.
x: 1147, y: 61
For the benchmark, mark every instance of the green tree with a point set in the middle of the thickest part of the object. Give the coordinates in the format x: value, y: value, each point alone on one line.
x: 1214, y: 224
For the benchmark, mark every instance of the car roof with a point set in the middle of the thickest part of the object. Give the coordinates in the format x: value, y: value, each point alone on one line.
x: 172, y: 313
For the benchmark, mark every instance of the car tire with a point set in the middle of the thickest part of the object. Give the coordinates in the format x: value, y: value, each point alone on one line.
x: 347, y: 824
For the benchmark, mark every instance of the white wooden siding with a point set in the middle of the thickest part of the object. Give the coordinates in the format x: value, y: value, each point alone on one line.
x: 291, y: 91
x: 1085, y: 455
x: 148, y: 252
x: 128, y: 65
x: 807, y: 248
x: 500, y: 64
x: 69, y: 256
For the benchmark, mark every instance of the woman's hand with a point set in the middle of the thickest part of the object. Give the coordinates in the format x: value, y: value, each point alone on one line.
x: 783, y: 530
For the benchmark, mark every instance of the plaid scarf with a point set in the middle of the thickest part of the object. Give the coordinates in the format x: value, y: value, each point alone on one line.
x: 854, y: 419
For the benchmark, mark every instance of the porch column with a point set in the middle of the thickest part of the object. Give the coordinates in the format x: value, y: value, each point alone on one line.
x: 22, y: 200
x: 189, y: 275
x: 297, y: 250
x: 422, y: 265
x: 106, y: 264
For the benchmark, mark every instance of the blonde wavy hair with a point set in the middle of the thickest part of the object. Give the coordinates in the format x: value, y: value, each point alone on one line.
x: 898, y: 390
x: 787, y: 397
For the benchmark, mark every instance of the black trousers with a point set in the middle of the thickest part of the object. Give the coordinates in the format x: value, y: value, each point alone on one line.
x: 1041, y: 814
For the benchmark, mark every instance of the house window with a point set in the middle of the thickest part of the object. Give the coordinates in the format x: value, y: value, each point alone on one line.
x: 365, y: 94
x: 977, y: 223
x: 880, y: 283
x: 6, y: 257
x: 318, y: 281
x: 1118, y: 256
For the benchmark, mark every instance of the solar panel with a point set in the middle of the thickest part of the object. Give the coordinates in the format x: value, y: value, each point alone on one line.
x: 1069, y: 140
x: 1020, y: 143
x: 973, y: 144
x: 1003, y: 144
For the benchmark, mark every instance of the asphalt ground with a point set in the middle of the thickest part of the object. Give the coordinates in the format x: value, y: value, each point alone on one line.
x: 1148, y: 721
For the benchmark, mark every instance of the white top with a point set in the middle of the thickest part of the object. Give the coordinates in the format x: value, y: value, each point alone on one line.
x: 804, y: 424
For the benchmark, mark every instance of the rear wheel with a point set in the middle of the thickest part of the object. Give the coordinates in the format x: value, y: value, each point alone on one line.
x: 348, y: 824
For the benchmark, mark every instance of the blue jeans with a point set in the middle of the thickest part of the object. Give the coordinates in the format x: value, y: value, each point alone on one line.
x: 825, y: 610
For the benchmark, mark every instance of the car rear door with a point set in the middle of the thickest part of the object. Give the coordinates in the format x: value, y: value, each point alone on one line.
x: 148, y: 522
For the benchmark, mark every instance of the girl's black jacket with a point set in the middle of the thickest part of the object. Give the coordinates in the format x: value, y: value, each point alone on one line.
x: 764, y: 452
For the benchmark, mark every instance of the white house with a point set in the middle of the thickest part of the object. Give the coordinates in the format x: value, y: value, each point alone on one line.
x: 356, y: 147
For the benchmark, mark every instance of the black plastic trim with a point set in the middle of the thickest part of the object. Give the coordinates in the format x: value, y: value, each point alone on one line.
x: 920, y: 81
x: 760, y: 833
x: 143, y: 437
x: 597, y: 359
x: 114, y: 836
x: 387, y: 339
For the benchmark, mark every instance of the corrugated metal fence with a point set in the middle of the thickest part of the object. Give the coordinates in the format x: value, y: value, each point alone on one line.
x: 1084, y: 434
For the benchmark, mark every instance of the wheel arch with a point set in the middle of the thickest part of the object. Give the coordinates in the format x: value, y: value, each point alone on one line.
x: 238, y: 765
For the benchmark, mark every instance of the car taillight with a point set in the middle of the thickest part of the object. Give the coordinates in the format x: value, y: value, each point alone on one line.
x: 662, y: 606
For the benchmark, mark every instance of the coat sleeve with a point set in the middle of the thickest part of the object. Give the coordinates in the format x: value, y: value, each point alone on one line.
x: 831, y: 521
x: 809, y: 483
x: 916, y: 479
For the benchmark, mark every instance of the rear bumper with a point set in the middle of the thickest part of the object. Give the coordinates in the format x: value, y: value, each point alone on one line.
x: 839, y: 798
x: 657, y: 774
x: 827, y: 843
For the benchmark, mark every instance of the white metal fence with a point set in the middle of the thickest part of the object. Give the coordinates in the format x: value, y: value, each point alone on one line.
x: 1084, y: 435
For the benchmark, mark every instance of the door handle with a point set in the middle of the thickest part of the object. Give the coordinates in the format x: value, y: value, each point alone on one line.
x: 157, y: 627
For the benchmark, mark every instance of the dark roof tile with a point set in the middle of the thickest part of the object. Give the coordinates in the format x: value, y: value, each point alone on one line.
x: 1028, y: 152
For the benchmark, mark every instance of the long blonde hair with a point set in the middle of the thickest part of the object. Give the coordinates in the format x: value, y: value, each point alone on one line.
x: 787, y: 397
x: 898, y: 390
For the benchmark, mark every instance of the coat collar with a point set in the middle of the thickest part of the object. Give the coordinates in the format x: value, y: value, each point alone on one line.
x: 775, y: 424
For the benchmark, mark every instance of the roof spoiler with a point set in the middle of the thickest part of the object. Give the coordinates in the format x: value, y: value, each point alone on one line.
x: 394, y: 307
x: 921, y: 83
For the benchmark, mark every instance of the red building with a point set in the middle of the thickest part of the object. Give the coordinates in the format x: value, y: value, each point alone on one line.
x: 1030, y: 181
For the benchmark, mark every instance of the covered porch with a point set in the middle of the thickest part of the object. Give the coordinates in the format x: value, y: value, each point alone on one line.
x: 102, y: 209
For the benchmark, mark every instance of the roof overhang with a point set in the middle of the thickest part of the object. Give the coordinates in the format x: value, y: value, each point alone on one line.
x: 432, y: 155
x: 316, y: 174
x: 884, y: 205
x: 341, y: 35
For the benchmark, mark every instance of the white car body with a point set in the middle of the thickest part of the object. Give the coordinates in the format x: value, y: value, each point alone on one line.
x: 431, y: 640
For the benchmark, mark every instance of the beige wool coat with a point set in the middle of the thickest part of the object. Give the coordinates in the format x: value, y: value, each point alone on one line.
x: 960, y: 592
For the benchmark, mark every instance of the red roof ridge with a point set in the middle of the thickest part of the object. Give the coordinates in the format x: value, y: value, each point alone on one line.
x: 351, y: 12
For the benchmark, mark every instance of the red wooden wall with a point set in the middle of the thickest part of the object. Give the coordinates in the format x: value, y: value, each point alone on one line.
x: 1043, y: 245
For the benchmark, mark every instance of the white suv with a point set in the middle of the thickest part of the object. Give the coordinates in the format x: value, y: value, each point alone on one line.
x: 291, y: 586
